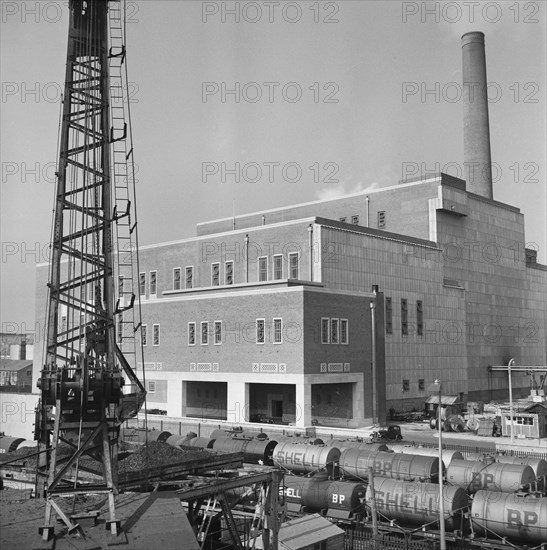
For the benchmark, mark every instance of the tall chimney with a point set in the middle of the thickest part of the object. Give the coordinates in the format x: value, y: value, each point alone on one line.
x: 476, y: 128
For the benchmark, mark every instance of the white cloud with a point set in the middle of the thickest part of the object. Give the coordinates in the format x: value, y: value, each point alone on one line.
x: 342, y: 189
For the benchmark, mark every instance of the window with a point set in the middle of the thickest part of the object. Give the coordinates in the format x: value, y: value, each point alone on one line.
x: 229, y: 273
x: 355, y: 220
x: 218, y: 333
x: 419, y: 318
x: 404, y: 316
x: 151, y: 386
x: 260, y: 331
x: 143, y: 334
x: 406, y: 385
x: 153, y: 279
x: 389, y: 316
x: 325, y: 330
x: 204, y: 333
x: 215, y: 274
x: 421, y: 384
x: 293, y: 265
x: 176, y: 278
x: 263, y: 268
x: 278, y: 331
x: 189, y: 277
x: 344, y: 339
x: 278, y: 267
x: 381, y: 219
x: 142, y: 284
x: 156, y: 335
x: 343, y: 219
x: 191, y: 334
x: 334, y: 331
x: 120, y: 286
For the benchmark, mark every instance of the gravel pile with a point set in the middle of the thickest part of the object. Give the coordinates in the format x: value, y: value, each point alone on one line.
x: 158, y: 453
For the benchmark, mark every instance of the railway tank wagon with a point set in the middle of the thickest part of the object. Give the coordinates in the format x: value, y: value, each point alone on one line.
x: 515, y: 516
x: 255, y: 451
x: 355, y: 463
x: 473, y: 476
x: 353, y: 444
x: 341, y: 500
x: 305, y: 459
x: 418, y: 503
x: 10, y: 444
x: 448, y: 456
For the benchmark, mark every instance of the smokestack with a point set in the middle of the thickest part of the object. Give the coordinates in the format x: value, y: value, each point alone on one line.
x: 476, y: 128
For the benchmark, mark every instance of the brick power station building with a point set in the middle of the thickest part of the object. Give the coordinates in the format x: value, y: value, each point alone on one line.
x: 274, y: 314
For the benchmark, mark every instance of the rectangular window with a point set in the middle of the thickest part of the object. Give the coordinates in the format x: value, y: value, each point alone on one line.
x: 176, y: 278
x: 343, y: 219
x: 404, y: 316
x: 151, y: 386
x: 153, y: 281
x: 389, y: 316
x: 419, y: 318
x: 204, y: 333
x: 156, y: 335
x: 260, y: 331
x: 142, y: 284
x: 218, y: 333
x: 334, y: 331
x: 120, y: 286
x: 143, y: 334
x: 278, y: 331
x: 381, y: 219
x: 406, y: 385
x: 229, y: 273
x: 344, y: 336
x: 191, y: 334
x: 293, y: 265
x: 189, y: 277
x: 355, y: 220
x: 421, y: 384
x: 215, y: 274
x: 278, y: 267
x: 325, y: 330
x: 263, y: 268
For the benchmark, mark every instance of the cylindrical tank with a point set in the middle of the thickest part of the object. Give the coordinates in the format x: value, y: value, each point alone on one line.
x: 9, y: 444
x: 305, y: 458
x: 152, y: 435
x: 517, y: 517
x: 254, y: 450
x: 177, y: 440
x: 355, y: 463
x: 299, y: 440
x: 317, y: 493
x: 200, y: 442
x: 472, y: 476
x: 448, y: 456
x: 217, y: 434
x: 354, y: 444
x: 418, y: 503
x: 537, y: 464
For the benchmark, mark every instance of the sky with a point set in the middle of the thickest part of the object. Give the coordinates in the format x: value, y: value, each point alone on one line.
x: 296, y: 100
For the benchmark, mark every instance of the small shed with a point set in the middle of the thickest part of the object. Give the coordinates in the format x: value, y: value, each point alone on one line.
x: 450, y: 405
x: 15, y: 375
x: 313, y: 532
x: 532, y: 422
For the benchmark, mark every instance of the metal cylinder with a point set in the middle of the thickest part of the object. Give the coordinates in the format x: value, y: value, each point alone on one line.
x: 200, y: 442
x: 537, y: 464
x: 418, y: 503
x: 473, y: 476
x: 476, y: 126
x: 517, y: 517
x: 317, y: 494
x: 254, y: 450
x: 9, y: 444
x: 448, y: 456
x: 305, y: 458
x: 356, y: 462
x: 354, y: 444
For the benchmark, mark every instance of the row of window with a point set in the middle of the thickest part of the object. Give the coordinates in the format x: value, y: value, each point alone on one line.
x: 334, y: 331
x: 404, y: 317
x: 421, y: 385
x: 260, y: 331
x: 381, y: 214
x: 263, y: 274
x: 155, y: 335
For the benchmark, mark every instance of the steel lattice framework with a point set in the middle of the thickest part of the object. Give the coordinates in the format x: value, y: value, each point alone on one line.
x: 91, y: 335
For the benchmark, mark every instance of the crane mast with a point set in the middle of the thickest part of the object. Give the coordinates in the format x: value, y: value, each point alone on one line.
x: 88, y: 383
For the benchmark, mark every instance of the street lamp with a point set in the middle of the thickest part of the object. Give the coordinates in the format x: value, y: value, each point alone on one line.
x: 436, y: 388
